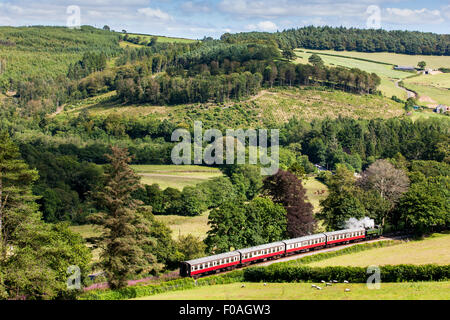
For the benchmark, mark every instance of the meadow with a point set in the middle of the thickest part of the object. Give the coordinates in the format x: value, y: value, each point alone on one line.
x: 432, y: 89
x: 382, y: 64
x: 433, y: 62
x: 304, y: 291
x: 435, y: 249
x: 174, y: 176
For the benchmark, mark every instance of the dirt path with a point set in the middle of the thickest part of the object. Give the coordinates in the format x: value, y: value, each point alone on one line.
x: 408, y: 92
x: 58, y: 111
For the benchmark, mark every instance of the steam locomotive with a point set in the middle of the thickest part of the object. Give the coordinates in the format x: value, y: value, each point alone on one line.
x: 244, y: 257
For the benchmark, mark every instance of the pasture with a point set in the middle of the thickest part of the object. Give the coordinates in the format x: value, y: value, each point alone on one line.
x: 435, y: 249
x: 432, y: 89
x: 433, y: 62
x: 304, y: 291
x: 174, y: 176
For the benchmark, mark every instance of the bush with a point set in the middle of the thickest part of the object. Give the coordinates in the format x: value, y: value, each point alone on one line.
x: 397, y: 273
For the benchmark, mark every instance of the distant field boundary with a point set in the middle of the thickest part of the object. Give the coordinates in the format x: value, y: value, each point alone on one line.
x: 354, y: 58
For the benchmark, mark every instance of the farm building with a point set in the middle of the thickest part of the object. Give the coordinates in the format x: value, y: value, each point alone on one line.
x: 404, y: 68
x: 441, y: 109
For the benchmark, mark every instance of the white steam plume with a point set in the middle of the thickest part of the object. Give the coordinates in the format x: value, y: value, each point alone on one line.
x: 365, y: 222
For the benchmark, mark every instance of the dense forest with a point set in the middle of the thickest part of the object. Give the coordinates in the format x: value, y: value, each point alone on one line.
x: 351, y: 39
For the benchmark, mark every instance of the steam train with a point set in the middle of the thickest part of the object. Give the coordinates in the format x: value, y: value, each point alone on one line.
x: 244, y: 257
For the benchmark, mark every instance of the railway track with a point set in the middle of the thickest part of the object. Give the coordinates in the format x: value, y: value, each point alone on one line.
x: 174, y: 275
x: 309, y: 253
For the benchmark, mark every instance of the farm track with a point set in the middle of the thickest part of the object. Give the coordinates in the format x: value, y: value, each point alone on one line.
x: 411, y: 94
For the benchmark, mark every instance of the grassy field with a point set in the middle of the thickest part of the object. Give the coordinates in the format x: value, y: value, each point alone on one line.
x: 433, y: 62
x: 435, y: 249
x: 175, y: 176
x: 183, y: 226
x: 432, y: 89
x: 303, y: 291
x: 386, y: 73
x: 428, y: 114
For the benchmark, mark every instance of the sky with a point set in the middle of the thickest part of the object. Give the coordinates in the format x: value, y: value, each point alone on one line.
x: 196, y: 19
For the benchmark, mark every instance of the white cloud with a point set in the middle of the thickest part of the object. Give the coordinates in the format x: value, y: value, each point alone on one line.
x: 155, y: 14
x: 268, y: 26
x: 409, y: 16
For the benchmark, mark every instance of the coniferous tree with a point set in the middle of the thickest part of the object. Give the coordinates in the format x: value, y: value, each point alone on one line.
x: 125, y: 240
x: 34, y: 256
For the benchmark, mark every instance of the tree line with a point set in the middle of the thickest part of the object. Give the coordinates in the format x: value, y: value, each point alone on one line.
x: 350, y: 39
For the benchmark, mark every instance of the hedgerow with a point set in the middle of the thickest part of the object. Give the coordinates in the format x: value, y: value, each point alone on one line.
x: 388, y: 273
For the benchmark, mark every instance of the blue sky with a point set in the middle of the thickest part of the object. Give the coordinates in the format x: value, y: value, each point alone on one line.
x: 199, y: 18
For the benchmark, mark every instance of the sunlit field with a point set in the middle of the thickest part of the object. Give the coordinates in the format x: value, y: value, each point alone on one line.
x: 304, y: 291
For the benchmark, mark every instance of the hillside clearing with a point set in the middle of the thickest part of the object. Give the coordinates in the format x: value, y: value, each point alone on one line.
x: 174, y: 176
x: 271, y: 107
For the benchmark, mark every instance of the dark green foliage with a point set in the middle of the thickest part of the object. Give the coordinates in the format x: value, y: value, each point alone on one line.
x: 237, y: 224
x: 397, y: 273
x: 190, y: 247
x: 127, y: 247
x: 34, y: 256
x: 426, y: 207
x: 351, y: 39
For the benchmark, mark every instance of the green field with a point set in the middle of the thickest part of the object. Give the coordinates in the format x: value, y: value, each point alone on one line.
x: 433, y: 62
x: 385, y: 72
x: 183, y: 226
x: 303, y: 291
x: 435, y: 249
x: 432, y: 89
x: 173, y: 176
